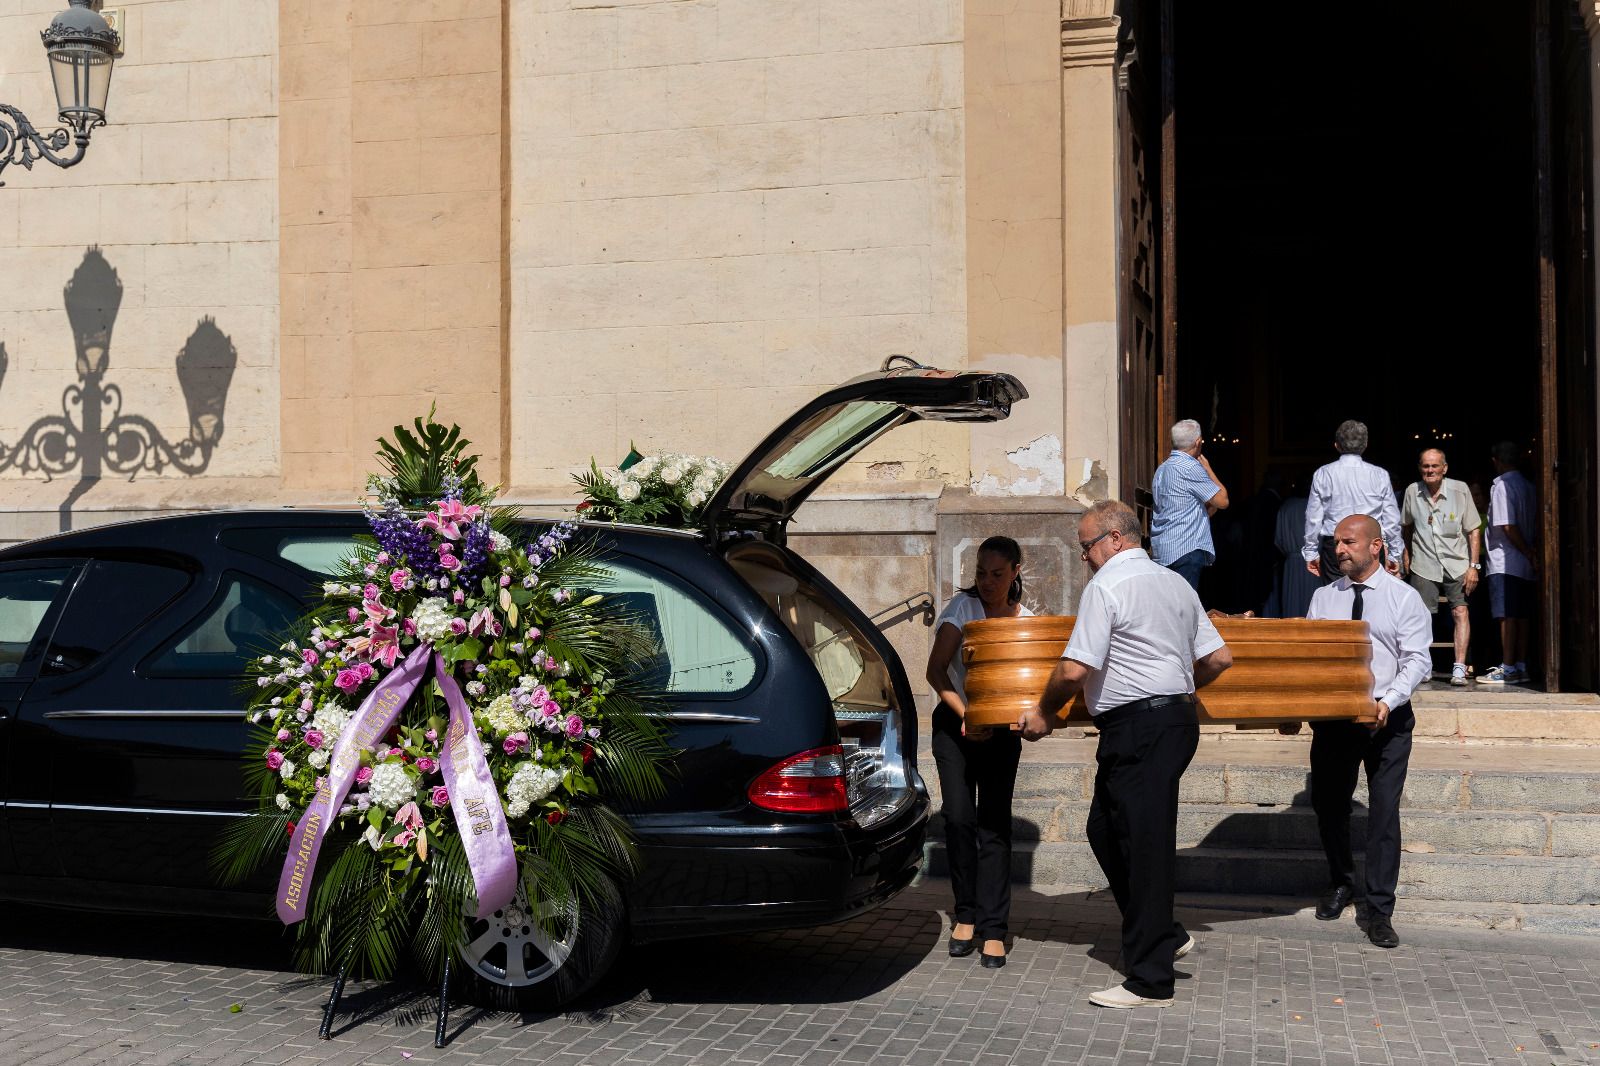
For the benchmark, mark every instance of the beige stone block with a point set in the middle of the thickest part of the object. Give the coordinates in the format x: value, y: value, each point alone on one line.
x: 1016, y: 43
x: 565, y: 42
x: 114, y: 159
x: 469, y: 46
x: 33, y: 278
x: 185, y: 151
x: 427, y: 229
x: 10, y: 221
x: 331, y: 365
x: 654, y: 163
x: 19, y: 40
x: 711, y: 225
x: 316, y: 304
x: 329, y: 470
x: 426, y: 107
x: 884, y: 81
x: 316, y: 249
x: 253, y: 270
x: 293, y: 379
x: 464, y: 296
x: 717, y: 94
x: 315, y: 133
x: 186, y: 275
x: 859, y: 215
x: 233, y: 88
x: 750, y: 29
x: 387, y: 51
x: 368, y: 12
x: 183, y: 31
x: 876, y: 147
x: 389, y: 299
x: 699, y: 356
x: 253, y: 27
x: 875, y: 281
x: 541, y: 109
x: 153, y: 93
x: 616, y: 294
x: 847, y: 25
x: 319, y: 70
x: 1015, y: 151
x: 756, y: 287
x: 544, y: 235
x: 947, y: 131
x: 586, y: 362
x: 947, y: 255
x: 62, y: 216
x: 313, y: 21
x: 621, y: 101
x: 315, y: 195
x: 552, y: 439
x: 769, y: 155
x: 253, y: 149
x: 233, y: 211
x: 666, y: 34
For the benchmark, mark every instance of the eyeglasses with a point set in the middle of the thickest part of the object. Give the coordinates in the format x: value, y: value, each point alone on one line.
x: 1088, y: 544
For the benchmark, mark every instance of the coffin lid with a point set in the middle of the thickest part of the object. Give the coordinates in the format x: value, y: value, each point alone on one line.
x: 764, y: 491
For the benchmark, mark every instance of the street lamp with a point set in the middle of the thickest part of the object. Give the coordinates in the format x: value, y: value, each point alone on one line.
x: 82, y: 47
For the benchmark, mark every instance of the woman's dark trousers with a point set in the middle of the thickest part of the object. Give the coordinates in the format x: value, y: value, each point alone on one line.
x: 976, y: 779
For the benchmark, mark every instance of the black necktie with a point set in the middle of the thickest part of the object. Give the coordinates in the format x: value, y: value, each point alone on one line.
x: 1355, y: 608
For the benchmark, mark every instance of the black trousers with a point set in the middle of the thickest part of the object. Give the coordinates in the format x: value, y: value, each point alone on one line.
x: 976, y: 779
x: 1338, y: 751
x: 1133, y: 829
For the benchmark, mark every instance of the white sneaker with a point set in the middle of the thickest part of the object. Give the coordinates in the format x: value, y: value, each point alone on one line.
x: 1118, y: 998
x: 1184, y: 949
x: 1458, y: 674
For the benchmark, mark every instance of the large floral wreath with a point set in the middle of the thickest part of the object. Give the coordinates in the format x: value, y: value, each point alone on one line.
x: 458, y: 719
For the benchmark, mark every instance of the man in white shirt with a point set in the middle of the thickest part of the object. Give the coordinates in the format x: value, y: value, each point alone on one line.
x: 1349, y: 485
x: 1400, y: 629
x: 1442, y: 546
x: 1513, y: 520
x: 1140, y: 647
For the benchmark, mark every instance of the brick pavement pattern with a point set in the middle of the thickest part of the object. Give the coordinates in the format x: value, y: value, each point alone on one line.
x: 1274, y: 991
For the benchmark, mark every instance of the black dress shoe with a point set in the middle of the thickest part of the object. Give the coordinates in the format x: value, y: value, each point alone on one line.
x: 1382, y: 933
x: 993, y: 962
x: 960, y: 949
x: 1333, y: 902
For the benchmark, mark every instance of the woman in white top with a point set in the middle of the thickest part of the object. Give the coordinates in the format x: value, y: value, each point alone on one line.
x: 977, y: 768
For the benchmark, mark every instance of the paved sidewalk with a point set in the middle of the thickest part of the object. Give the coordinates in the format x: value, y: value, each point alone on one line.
x: 1270, y: 990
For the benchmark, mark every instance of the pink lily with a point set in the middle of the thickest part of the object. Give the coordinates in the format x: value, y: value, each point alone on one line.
x: 409, y: 816
x: 385, y: 644
x: 482, y: 619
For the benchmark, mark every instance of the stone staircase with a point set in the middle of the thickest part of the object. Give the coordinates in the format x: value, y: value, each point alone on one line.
x: 1501, y: 816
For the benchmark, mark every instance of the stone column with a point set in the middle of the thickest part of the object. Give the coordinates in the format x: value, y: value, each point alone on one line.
x: 1089, y: 226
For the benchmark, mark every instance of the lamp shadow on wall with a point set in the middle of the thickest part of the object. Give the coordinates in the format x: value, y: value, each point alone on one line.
x: 93, y: 435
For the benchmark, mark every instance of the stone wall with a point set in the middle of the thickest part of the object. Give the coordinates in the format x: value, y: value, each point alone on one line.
x: 179, y: 196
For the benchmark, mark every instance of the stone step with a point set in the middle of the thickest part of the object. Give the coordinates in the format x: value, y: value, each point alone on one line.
x: 1054, y: 867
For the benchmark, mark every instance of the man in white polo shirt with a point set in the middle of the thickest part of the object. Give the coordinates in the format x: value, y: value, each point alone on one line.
x: 1140, y: 647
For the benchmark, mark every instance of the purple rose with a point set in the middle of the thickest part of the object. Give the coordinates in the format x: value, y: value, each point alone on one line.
x: 308, y: 657
x: 574, y: 727
x: 274, y: 759
x: 440, y: 797
x: 458, y: 597
x: 427, y: 765
x: 458, y: 626
x: 283, y: 735
x: 314, y: 738
x: 551, y: 707
x: 430, y: 735
x: 364, y: 775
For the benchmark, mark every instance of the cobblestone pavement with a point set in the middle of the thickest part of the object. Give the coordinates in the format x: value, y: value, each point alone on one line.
x: 1259, y: 989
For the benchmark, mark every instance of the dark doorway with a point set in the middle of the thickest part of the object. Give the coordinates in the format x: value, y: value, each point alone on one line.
x: 1357, y: 238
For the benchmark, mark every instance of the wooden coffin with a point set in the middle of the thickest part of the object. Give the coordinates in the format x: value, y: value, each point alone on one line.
x: 1284, y: 670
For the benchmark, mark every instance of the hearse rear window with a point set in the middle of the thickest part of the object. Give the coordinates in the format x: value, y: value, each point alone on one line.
x: 112, y: 601
x: 701, y: 651
x: 26, y: 597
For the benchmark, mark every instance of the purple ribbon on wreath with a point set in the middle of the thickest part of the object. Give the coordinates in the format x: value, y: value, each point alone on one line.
x: 474, y: 800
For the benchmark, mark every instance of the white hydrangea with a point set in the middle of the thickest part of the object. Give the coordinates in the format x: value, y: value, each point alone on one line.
x: 432, y: 619
x: 391, y: 786
x: 504, y: 718
x: 628, y: 490
x: 329, y: 720
x: 499, y: 541
x: 530, y: 784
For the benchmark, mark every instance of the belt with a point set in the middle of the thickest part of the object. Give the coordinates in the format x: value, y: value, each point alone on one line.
x: 1149, y: 703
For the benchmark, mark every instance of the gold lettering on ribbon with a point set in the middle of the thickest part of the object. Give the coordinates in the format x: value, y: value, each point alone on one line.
x: 478, y: 811
x: 302, y: 858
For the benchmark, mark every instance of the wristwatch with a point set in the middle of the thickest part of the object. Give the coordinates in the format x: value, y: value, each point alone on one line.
x: 1476, y: 566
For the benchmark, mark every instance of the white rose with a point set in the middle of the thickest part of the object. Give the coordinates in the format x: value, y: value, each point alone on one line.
x: 696, y: 498
x: 672, y: 473
x: 628, y: 491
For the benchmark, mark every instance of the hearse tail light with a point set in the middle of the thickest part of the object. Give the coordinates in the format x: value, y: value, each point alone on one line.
x: 811, y: 782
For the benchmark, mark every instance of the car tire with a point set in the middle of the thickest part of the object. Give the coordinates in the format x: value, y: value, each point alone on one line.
x: 508, y: 962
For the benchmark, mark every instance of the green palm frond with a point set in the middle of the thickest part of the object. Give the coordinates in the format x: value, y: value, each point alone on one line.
x: 247, y: 843
x: 417, y: 463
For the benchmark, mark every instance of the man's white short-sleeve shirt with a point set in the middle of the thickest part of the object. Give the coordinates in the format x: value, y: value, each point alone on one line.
x: 1139, y: 629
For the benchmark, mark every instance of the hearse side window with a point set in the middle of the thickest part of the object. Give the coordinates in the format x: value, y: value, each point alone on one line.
x: 317, y: 551
x: 26, y: 597
x: 320, y: 555
x: 702, y: 653
x: 113, y: 600
x: 245, y: 620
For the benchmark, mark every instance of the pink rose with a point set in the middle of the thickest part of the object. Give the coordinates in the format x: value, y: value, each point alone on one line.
x: 363, y: 671
x: 364, y: 775
x: 274, y: 759
x: 449, y: 562
x: 505, y: 581
x: 370, y: 592
x: 398, y: 579
x: 305, y: 705
x: 322, y: 783
x: 314, y: 738
x: 440, y: 796
x: 574, y: 726
x: 431, y: 735
x: 458, y: 597
x: 551, y: 707
x: 533, y: 633
x: 514, y: 743
x: 309, y: 657
x: 283, y: 735
x: 427, y: 765
x: 383, y: 559
x: 458, y: 626
x: 409, y: 627
x: 348, y: 680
